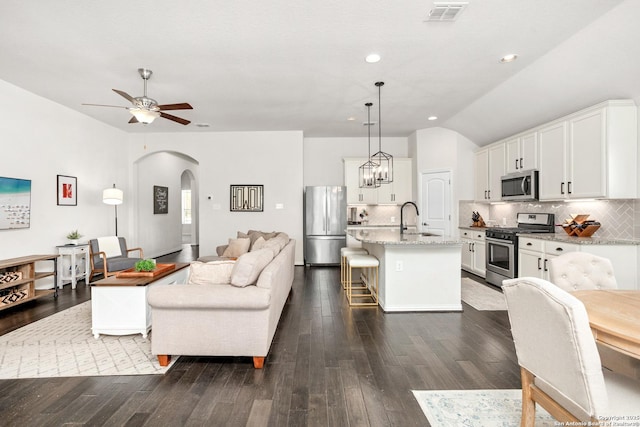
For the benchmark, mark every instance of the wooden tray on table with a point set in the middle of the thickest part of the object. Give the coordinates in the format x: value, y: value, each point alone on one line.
x: 160, y: 268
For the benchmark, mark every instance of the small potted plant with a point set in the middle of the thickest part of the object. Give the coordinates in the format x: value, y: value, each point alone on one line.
x: 73, y: 237
x: 145, y: 265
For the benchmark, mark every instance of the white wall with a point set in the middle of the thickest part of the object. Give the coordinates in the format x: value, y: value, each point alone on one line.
x: 160, y: 234
x: 323, y: 156
x: 273, y: 159
x: 439, y: 149
x: 40, y: 140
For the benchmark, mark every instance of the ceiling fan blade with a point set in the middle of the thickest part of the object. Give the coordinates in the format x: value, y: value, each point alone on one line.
x: 133, y: 120
x: 175, y: 119
x: 183, y: 106
x: 103, y: 105
x: 125, y: 95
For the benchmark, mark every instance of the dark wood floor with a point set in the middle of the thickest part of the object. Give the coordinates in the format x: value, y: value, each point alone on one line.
x: 329, y: 365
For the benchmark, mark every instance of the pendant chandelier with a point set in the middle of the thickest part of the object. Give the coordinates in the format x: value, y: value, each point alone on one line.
x: 384, y: 173
x: 367, y: 171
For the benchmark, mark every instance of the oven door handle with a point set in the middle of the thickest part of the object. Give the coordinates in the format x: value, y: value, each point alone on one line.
x: 504, y: 242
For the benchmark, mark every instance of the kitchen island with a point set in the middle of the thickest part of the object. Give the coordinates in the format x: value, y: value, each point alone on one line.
x: 417, y: 272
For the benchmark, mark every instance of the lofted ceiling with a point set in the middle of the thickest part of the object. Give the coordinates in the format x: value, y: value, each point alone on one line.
x: 247, y: 65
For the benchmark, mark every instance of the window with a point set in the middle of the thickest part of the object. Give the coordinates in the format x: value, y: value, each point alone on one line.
x: 186, y: 206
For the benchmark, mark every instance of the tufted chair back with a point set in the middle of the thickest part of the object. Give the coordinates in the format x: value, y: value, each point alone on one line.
x: 576, y: 271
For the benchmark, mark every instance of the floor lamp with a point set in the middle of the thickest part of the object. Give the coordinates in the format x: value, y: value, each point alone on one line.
x: 113, y: 196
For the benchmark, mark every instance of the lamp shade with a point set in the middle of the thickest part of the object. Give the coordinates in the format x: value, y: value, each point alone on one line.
x: 112, y: 196
x: 144, y: 115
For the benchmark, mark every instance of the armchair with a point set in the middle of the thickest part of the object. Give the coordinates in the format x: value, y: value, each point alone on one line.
x: 109, y: 255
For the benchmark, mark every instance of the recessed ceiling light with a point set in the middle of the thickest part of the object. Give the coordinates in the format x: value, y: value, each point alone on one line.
x: 351, y: 118
x: 432, y: 118
x: 509, y: 58
x: 203, y: 125
x: 372, y: 58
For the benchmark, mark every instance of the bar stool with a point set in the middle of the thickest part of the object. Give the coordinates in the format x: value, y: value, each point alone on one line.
x: 344, y: 252
x: 369, y: 264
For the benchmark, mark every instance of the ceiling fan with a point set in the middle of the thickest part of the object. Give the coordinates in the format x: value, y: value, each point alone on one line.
x: 145, y: 109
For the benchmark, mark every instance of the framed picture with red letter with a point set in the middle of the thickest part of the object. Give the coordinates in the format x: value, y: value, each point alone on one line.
x: 67, y: 190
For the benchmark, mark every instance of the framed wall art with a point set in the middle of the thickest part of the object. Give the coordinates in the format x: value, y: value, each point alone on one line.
x: 247, y: 198
x: 15, y: 203
x: 67, y: 190
x: 160, y: 200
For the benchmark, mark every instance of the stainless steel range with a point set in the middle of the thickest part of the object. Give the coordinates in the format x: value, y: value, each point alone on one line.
x: 502, y: 245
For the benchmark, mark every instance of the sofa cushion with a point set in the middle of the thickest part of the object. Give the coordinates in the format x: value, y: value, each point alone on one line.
x: 237, y: 247
x: 248, y: 267
x: 258, y: 244
x: 210, y: 273
x: 118, y: 263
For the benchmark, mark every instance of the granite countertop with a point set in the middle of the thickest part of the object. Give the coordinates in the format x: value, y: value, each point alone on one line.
x: 468, y: 227
x: 393, y: 237
x: 563, y: 237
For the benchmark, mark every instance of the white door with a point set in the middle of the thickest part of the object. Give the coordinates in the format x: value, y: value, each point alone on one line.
x: 435, y: 209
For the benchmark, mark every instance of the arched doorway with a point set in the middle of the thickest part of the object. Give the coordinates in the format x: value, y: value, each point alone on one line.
x: 160, y: 233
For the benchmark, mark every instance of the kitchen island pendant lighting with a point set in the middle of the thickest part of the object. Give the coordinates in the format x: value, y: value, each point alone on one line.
x: 384, y: 172
x: 366, y: 172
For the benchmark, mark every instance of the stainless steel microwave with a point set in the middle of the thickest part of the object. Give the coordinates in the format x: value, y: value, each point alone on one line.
x: 521, y: 185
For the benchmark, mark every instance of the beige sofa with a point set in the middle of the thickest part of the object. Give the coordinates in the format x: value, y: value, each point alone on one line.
x: 222, y: 319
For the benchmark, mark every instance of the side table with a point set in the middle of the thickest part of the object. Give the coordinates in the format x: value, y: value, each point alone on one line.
x: 71, y: 261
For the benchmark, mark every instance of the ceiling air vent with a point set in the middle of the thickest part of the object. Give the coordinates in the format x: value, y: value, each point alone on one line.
x: 446, y: 11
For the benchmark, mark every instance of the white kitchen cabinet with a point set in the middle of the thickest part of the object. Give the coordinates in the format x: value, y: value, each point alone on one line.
x: 489, y: 169
x: 473, y: 255
x: 396, y: 193
x: 590, y: 154
x: 522, y: 152
x: 355, y: 194
x: 400, y: 190
x: 534, y: 255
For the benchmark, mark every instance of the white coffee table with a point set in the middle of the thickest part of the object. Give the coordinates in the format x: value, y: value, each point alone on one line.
x: 119, y: 305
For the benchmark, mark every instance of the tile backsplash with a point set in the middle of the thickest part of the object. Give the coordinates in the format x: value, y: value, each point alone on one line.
x: 382, y: 214
x: 619, y: 219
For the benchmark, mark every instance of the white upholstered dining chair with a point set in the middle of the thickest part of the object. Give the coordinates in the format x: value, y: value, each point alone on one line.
x: 559, y: 363
x: 578, y: 271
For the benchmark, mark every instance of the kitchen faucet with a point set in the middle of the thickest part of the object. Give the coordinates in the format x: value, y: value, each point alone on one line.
x: 402, y: 226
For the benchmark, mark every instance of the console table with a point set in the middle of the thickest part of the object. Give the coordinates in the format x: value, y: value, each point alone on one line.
x: 119, y: 305
x: 18, y: 277
x: 72, y: 254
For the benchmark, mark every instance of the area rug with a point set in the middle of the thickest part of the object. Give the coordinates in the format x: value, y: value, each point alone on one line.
x: 482, y: 297
x: 62, y: 345
x: 476, y: 408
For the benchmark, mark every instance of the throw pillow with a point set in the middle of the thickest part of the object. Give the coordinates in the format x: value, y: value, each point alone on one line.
x: 248, y: 267
x: 258, y: 244
x: 237, y: 247
x: 209, y: 273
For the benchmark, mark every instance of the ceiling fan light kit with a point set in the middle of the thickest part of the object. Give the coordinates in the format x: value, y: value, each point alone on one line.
x: 144, y: 109
x: 144, y: 116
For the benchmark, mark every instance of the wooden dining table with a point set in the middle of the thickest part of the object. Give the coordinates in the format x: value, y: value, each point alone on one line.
x: 614, y: 317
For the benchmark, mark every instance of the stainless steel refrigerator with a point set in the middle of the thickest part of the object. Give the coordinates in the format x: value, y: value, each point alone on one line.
x: 325, y: 222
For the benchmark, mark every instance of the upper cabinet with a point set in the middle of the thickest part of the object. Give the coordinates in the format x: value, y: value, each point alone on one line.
x: 396, y: 193
x: 590, y: 154
x: 522, y: 152
x: 400, y: 190
x: 355, y: 194
x: 490, y: 167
